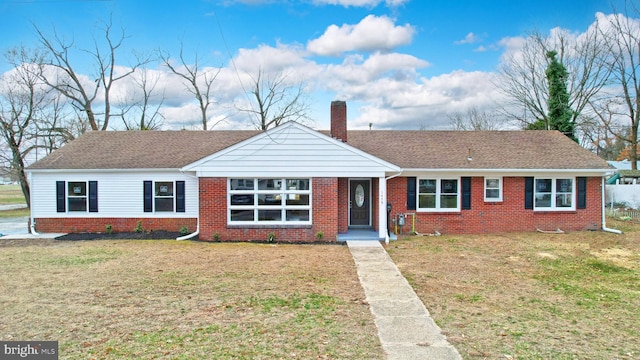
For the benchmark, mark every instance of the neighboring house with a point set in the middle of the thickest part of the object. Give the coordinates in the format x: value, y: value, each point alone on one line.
x: 623, y: 187
x: 296, y: 183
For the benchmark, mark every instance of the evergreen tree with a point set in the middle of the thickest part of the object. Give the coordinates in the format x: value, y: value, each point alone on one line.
x: 559, y: 112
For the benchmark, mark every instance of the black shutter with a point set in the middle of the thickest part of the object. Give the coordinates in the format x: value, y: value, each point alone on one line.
x: 148, y: 196
x: 528, y: 193
x: 61, y: 200
x: 180, y: 206
x: 93, y: 196
x: 466, y: 193
x: 582, y: 192
x: 411, y: 193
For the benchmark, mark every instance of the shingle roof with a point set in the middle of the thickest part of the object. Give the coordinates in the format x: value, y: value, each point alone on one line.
x: 139, y: 149
x: 488, y: 149
x: 407, y: 149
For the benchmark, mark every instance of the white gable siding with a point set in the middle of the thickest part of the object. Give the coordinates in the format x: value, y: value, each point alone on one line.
x: 291, y: 151
x: 120, y: 194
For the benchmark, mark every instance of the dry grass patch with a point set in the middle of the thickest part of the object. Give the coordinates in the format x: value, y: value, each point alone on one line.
x: 11, y: 194
x: 531, y: 295
x: 168, y: 299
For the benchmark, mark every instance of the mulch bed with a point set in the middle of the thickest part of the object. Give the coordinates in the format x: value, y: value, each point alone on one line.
x: 151, y: 235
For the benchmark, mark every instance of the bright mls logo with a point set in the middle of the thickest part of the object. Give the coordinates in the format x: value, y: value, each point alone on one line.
x: 32, y: 350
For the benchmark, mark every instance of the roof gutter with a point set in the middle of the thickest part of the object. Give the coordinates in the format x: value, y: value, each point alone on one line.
x: 197, y: 232
x: 604, y: 224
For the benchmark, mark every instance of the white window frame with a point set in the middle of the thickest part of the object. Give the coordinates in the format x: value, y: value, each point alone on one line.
x: 71, y: 196
x: 284, y: 194
x: 499, y: 188
x: 554, y: 193
x: 438, y: 194
x: 157, y: 196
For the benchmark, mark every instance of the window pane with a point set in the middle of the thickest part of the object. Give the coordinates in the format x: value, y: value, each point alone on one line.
x: 269, y: 184
x: 164, y: 204
x: 242, y: 215
x: 297, y: 215
x: 563, y: 200
x: 564, y: 185
x: 164, y: 188
x: 492, y: 183
x: 449, y: 186
x: 242, y: 199
x: 241, y: 184
x: 78, y: 204
x: 427, y: 201
x: 493, y: 193
x: 427, y: 186
x: 269, y: 215
x: 448, y: 201
x: 269, y: 199
x: 297, y: 199
x: 297, y: 184
x: 543, y: 185
x: 77, y: 189
x: 543, y: 200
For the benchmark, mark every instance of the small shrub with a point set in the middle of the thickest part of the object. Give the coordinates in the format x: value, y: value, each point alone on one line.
x: 216, y: 236
x: 319, y: 235
x: 271, y: 238
x: 109, y: 229
x: 138, y: 227
x: 184, y: 231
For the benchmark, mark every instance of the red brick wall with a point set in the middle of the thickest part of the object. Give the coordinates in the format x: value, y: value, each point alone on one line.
x: 343, y: 203
x: 213, y: 215
x: 98, y: 225
x: 339, y: 120
x: 506, y: 216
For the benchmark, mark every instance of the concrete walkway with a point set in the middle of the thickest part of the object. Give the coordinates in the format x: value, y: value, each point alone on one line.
x: 405, y: 327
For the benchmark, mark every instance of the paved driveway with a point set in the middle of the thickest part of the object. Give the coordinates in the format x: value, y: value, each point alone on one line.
x: 12, y: 226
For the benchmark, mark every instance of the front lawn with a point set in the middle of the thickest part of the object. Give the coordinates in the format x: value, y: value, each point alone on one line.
x: 149, y: 299
x: 531, y: 295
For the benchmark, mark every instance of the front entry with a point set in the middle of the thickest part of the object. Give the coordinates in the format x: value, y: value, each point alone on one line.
x: 360, y: 203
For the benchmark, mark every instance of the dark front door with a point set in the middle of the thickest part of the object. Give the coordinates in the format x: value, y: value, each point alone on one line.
x: 359, y: 203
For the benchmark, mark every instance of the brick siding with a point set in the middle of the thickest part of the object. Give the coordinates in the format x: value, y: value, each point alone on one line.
x: 213, y: 215
x: 506, y: 216
x: 98, y: 225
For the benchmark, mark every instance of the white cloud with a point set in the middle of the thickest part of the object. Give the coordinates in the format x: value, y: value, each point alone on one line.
x: 469, y: 39
x: 372, y: 33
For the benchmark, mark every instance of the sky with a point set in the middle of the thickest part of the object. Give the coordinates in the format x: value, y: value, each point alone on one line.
x: 399, y: 64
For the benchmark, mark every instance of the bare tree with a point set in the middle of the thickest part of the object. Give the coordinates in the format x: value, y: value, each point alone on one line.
x: 474, y: 119
x: 274, y: 101
x: 142, y: 111
x: 22, y: 98
x: 522, y: 76
x: 82, y: 92
x: 198, y: 82
x: 621, y: 103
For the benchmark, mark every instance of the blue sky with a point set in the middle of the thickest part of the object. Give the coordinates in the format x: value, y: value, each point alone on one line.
x: 398, y: 63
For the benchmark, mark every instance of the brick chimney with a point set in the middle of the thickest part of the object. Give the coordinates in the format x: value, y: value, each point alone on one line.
x: 339, y: 120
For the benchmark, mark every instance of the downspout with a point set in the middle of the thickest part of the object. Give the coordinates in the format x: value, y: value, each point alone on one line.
x: 32, y: 222
x: 197, y: 232
x: 604, y: 225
